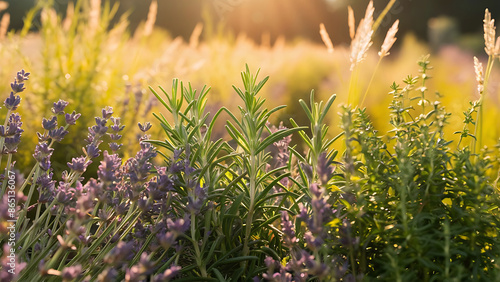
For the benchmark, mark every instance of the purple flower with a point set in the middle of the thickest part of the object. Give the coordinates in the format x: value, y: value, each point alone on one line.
x: 59, y: 107
x: 168, y: 274
x: 283, y: 154
x: 71, y: 118
x: 122, y: 252
x: 46, y: 188
x: 79, y: 164
x: 64, y: 193
x: 58, y: 134
x: 271, y: 275
x: 107, y: 112
x: 15, y: 123
x: 166, y: 239
x: 43, y: 153
x: 85, y: 203
x: 17, y: 87
x: 13, y: 126
x: 325, y: 170
x: 108, y: 169
x: 315, y: 190
x: 115, y: 146
x: 116, y: 127
x: 196, y: 201
x: 138, y: 167
x: 158, y: 186
x: 99, y: 129
x: 92, y: 151
x: 71, y: 273
x: 11, y: 143
x: 109, y: 274
x: 178, y: 226
x: 22, y: 76
x: 49, y: 124
x: 288, y: 230
x: 138, y: 272
x: 42, y: 137
x: 313, y: 243
x: 345, y: 234
x: 12, y: 102
x: 115, y: 136
x: 145, y: 127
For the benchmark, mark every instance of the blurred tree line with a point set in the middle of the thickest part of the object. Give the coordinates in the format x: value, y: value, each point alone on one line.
x: 291, y: 18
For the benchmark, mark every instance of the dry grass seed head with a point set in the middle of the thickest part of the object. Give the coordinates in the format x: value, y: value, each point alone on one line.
x: 351, y: 22
x: 489, y: 33
x: 389, y: 40
x: 70, y: 13
x: 3, y: 5
x: 4, y: 25
x: 325, y: 37
x: 95, y: 11
x: 194, y: 39
x: 362, y: 40
x: 478, y: 68
x: 150, y: 21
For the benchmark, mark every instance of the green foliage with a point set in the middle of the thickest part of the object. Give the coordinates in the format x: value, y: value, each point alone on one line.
x: 422, y: 211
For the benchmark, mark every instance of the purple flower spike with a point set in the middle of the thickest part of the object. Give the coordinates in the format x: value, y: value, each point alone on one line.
x: 100, y: 128
x: 109, y: 274
x: 122, y: 252
x: 166, y: 240
x: 58, y: 134
x: 15, y: 118
x: 45, y: 164
x: 71, y: 118
x: 92, y: 151
x: 116, y: 127
x: 42, y: 137
x: 168, y: 274
x: 115, y: 136
x: 17, y: 87
x: 179, y: 226
x: 42, y: 151
x: 325, y: 170
x: 71, y: 273
x: 46, y: 188
x: 49, y: 124
x: 107, y: 112
x: 12, y: 102
x: 109, y: 167
x: 14, y: 126
x: 59, y: 106
x: 79, y: 164
x: 11, y: 143
x: 145, y: 127
x: 288, y: 230
x: 115, y: 146
x: 22, y: 76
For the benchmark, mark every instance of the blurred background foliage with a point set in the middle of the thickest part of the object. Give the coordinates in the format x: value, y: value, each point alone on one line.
x: 110, y: 54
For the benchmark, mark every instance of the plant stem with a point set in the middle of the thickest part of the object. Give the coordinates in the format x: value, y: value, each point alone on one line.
x: 199, y: 260
x: 382, y: 15
x: 352, y: 96
x: 478, y: 131
x: 370, y: 83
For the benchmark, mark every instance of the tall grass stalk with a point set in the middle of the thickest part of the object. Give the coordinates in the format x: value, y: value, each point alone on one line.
x: 380, y: 18
x: 478, y: 132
